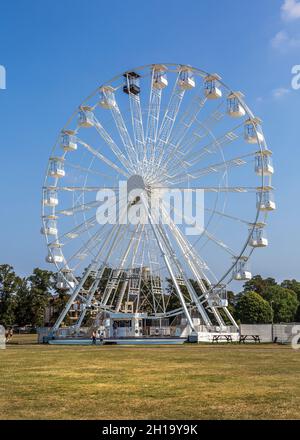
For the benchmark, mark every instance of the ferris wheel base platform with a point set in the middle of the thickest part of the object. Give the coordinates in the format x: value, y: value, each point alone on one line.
x: 201, y: 337
x: 119, y: 341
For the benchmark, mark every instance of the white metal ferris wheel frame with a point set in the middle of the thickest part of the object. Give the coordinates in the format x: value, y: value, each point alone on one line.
x: 139, y: 141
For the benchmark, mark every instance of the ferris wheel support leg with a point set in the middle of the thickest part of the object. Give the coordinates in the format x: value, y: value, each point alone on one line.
x: 78, y: 288
x: 90, y: 298
x: 194, y: 266
x: 121, y: 296
x: 71, y: 300
x: 99, y: 275
x: 184, y: 248
x: 231, y: 318
x: 124, y: 258
x: 189, y: 286
x: 218, y: 317
x: 168, y: 264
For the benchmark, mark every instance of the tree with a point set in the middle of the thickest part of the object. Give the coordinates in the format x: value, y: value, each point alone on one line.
x: 284, y: 303
x: 258, y: 284
x: 295, y: 286
x: 251, y: 308
x: 9, y: 285
x: 33, y: 297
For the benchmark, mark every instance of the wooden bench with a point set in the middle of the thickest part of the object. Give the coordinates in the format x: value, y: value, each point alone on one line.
x: 244, y: 338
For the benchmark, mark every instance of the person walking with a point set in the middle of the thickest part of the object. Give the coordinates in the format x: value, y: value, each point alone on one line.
x: 101, y: 338
x: 94, y: 337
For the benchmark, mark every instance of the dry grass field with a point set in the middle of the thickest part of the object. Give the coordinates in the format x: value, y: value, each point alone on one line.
x: 167, y: 382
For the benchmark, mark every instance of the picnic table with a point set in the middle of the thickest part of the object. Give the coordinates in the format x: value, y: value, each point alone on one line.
x: 244, y: 338
x: 220, y: 337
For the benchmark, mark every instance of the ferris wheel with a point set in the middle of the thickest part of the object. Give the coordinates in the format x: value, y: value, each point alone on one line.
x: 156, y: 129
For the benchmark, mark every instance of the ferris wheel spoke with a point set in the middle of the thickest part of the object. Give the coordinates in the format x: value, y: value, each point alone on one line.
x: 235, y: 189
x: 78, y: 208
x: 88, y: 170
x: 103, y: 158
x: 202, y: 128
x: 213, y: 147
x: 199, y: 265
x: 83, y: 189
x: 93, y: 242
x: 220, y: 243
x: 168, y: 121
x: 124, y: 135
x: 185, y: 124
x: 212, y: 120
x: 193, y: 157
x: 79, y: 230
x: 214, y: 168
x: 113, y: 146
x: 87, y: 224
x: 89, y: 246
x: 231, y: 217
x: 153, y: 118
x: 136, y: 120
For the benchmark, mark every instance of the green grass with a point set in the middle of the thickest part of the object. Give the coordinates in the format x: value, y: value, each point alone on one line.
x: 189, y: 382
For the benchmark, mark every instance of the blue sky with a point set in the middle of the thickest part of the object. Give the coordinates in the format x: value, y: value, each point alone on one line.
x: 56, y: 52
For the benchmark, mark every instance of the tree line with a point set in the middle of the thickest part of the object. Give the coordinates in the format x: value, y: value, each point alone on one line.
x: 23, y: 301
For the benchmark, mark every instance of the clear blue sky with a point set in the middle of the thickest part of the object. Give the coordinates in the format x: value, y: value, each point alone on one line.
x: 57, y: 51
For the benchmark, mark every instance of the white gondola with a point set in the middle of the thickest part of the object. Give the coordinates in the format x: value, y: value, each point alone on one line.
x: 159, y: 77
x: 50, y: 225
x: 211, y: 87
x: 252, y: 133
x: 54, y: 257
x: 258, y: 236
x: 68, y: 140
x: 56, y: 167
x: 241, y: 271
x: 263, y: 163
x: 234, y: 106
x: 217, y: 297
x: 50, y: 197
x: 55, y: 254
x: 86, y: 117
x: 265, y: 200
x: 186, y: 79
x: 65, y: 280
x: 107, y: 97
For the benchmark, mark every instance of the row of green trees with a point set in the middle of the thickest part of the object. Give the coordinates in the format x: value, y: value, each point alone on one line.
x: 23, y: 301
x: 266, y: 301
